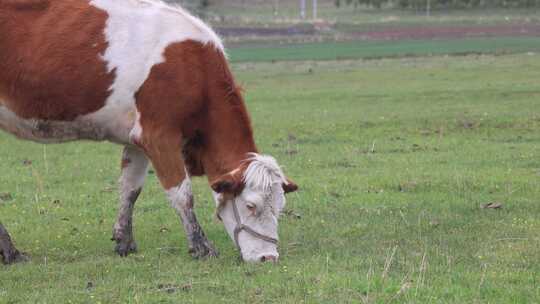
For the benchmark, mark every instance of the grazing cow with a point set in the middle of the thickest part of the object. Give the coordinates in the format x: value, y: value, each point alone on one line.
x: 152, y: 78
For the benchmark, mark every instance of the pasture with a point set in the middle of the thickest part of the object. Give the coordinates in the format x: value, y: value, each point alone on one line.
x: 394, y: 158
x: 329, y: 50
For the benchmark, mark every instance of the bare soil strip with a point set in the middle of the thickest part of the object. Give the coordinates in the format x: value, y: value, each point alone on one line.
x: 407, y: 33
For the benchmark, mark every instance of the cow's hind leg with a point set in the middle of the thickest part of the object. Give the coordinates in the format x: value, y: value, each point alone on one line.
x: 134, y: 168
x: 8, y: 252
x: 165, y: 152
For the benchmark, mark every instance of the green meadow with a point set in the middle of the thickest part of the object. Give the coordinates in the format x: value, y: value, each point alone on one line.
x: 395, y: 158
x: 330, y: 50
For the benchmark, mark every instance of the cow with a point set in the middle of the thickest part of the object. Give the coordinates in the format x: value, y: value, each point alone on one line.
x: 155, y: 79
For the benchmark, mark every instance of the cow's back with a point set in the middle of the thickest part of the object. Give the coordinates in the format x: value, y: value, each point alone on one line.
x: 80, y: 60
x: 49, y: 58
x: 62, y: 59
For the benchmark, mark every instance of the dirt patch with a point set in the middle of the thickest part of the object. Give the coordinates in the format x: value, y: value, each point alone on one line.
x: 265, y: 32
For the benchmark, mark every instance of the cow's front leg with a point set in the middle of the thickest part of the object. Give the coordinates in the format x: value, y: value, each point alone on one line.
x: 134, y: 168
x: 166, y: 156
x: 8, y: 252
x: 181, y: 198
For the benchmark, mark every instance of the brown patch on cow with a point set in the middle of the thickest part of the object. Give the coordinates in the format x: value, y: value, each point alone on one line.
x: 290, y: 186
x: 231, y: 183
x: 50, y: 52
x: 26, y: 4
x: 164, y: 151
x: 193, y: 95
x: 191, y: 150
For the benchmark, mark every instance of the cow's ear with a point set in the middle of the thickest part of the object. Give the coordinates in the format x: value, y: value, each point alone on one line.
x: 228, y: 184
x: 289, y: 186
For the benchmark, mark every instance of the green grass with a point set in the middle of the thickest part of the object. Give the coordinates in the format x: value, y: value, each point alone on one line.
x: 381, y: 49
x: 394, y: 158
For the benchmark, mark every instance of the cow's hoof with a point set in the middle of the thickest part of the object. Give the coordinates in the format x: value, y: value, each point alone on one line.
x: 203, y: 250
x: 124, y: 248
x: 12, y: 257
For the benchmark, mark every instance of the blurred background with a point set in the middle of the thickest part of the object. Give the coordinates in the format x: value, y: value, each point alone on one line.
x: 350, y: 29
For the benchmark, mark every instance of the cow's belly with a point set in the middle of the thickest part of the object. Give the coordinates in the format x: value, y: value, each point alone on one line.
x: 115, y: 128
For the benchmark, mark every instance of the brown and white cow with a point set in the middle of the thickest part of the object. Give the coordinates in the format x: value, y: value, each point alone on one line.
x: 152, y: 78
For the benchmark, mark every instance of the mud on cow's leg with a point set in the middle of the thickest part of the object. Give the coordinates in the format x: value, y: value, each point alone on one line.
x: 165, y: 152
x: 134, y: 169
x: 181, y: 198
x: 8, y: 252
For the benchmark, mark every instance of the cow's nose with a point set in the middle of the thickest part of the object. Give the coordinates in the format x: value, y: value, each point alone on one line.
x: 269, y: 258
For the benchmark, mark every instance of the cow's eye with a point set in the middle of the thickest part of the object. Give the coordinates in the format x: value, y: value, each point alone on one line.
x: 251, y: 207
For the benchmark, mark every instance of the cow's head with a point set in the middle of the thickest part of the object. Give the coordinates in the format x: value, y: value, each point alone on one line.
x: 249, y: 201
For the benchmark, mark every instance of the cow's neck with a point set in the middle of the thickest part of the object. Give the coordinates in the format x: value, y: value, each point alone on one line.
x: 229, y: 135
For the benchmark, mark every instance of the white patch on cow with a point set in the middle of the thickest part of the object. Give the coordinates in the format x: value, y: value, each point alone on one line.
x: 180, y: 195
x: 263, y: 172
x: 136, y: 132
x: 134, y: 174
x: 263, y: 189
x: 137, y: 33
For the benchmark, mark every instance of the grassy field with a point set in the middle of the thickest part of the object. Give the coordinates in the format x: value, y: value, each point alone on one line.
x: 394, y: 157
x: 382, y: 49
